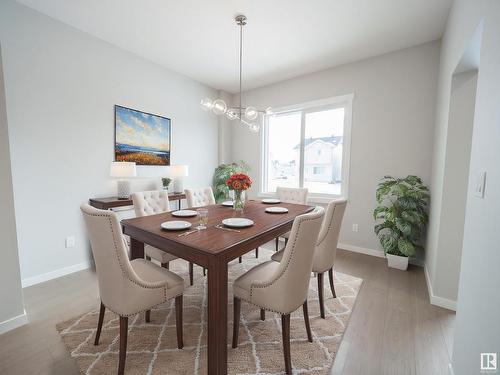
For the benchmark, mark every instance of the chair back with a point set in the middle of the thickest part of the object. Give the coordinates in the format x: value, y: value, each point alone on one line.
x: 292, y: 195
x: 200, y: 197
x: 109, y: 249
x: 326, y: 246
x: 150, y: 202
x: 287, y: 289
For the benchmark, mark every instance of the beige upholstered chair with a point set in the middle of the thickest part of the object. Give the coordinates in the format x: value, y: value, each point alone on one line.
x: 290, y: 195
x: 282, y: 287
x: 199, y: 197
x: 326, y: 247
x: 127, y: 287
x: 150, y: 203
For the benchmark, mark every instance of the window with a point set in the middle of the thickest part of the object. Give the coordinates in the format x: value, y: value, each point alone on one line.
x: 307, y: 145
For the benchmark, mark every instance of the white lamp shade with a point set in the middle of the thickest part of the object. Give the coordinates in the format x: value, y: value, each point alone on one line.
x: 122, y: 169
x: 179, y: 170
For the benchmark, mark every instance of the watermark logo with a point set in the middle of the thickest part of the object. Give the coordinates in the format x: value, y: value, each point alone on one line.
x: 489, y: 362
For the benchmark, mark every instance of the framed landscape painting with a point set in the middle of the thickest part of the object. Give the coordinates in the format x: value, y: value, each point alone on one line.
x: 141, y: 137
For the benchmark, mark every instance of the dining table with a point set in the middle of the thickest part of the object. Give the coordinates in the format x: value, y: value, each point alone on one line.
x: 213, y: 248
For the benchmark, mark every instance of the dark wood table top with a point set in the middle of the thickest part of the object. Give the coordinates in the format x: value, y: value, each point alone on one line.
x: 112, y: 202
x: 213, y: 241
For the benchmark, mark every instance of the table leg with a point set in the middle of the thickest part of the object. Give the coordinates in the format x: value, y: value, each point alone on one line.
x: 179, y: 203
x: 136, y: 249
x: 217, y: 317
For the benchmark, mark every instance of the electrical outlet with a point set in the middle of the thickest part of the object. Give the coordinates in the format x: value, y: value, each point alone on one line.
x: 355, y: 227
x: 70, y: 241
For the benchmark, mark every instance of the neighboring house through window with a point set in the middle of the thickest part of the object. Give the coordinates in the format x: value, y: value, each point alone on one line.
x: 307, y: 145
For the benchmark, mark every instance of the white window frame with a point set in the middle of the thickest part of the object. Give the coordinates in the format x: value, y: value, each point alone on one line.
x: 344, y: 101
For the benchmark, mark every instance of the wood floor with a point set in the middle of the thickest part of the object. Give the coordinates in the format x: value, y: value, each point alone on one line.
x: 393, y: 328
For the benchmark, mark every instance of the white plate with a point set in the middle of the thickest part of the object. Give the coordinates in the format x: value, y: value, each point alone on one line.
x: 270, y: 201
x: 175, y: 225
x: 184, y: 213
x: 237, y: 222
x: 227, y: 203
x: 277, y: 210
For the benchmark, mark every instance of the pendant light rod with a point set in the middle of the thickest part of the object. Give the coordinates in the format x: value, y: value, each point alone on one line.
x: 241, y: 20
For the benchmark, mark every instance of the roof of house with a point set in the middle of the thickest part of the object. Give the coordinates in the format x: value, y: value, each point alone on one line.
x: 333, y: 139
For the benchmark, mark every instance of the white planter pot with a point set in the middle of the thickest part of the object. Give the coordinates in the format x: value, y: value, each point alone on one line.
x: 398, y: 262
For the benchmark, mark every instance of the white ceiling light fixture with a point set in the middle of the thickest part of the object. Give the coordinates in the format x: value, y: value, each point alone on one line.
x: 248, y: 116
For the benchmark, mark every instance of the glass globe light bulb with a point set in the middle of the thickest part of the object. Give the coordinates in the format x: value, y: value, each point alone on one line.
x: 254, y: 127
x: 251, y: 113
x: 206, y: 104
x: 219, y: 107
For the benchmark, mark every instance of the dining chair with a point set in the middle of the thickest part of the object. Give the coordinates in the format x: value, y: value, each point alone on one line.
x: 127, y: 287
x: 204, y: 197
x: 290, y: 195
x: 282, y: 287
x: 150, y: 203
x: 326, y: 247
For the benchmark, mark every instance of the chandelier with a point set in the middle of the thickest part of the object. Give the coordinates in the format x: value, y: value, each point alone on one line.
x: 248, y: 116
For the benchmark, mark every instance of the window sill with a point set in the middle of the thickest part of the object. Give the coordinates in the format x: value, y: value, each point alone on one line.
x: 312, y: 198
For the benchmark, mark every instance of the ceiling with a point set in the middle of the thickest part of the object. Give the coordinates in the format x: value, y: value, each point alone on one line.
x: 283, y: 38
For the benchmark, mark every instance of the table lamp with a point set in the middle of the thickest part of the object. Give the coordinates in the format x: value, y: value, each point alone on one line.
x: 178, y: 172
x: 122, y: 170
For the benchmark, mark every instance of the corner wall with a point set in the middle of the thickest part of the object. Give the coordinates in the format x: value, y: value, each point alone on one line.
x: 61, y: 88
x: 392, y: 126
x: 477, y: 328
x: 12, y: 312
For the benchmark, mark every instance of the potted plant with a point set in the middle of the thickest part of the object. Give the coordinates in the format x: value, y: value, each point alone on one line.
x: 239, y: 182
x: 222, y: 174
x: 165, y: 181
x: 402, y: 208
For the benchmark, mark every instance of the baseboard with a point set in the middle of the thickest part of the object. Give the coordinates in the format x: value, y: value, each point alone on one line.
x: 436, y: 300
x: 29, y: 281
x: 13, y: 323
x: 450, y: 369
x: 362, y: 250
x: 375, y: 253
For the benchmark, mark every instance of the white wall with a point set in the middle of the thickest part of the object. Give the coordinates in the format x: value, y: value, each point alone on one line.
x: 477, y: 328
x: 392, y: 124
x: 11, y: 309
x: 61, y: 86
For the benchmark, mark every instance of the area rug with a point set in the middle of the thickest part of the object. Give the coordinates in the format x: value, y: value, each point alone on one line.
x: 152, y: 346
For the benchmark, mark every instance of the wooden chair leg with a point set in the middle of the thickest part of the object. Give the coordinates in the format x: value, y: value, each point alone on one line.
x: 277, y: 243
x: 148, y: 258
x: 99, y: 324
x: 191, y: 273
x: 240, y: 259
x: 123, y: 344
x: 204, y: 271
x: 148, y: 316
x: 262, y: 314
x: 236, y: 320
x: 286, y: 241
x: 305, y: 311
x: 178, y: 321
x: 332, y: 287
x: 166, y: 265
x: 320, y: 294
x: 257, y: 252
x: 285, y: 328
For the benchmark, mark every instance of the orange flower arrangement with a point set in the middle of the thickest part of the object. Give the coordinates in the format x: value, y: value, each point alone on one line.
x: 239, y: 181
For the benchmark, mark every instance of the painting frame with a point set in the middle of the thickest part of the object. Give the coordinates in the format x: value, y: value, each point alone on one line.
x: 167, y: 158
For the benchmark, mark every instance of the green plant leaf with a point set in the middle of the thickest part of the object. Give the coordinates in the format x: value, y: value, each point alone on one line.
x: 403, y: 226
x: 406, y: 247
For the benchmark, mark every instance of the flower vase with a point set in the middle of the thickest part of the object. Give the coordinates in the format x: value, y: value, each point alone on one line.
x: 239, y: 201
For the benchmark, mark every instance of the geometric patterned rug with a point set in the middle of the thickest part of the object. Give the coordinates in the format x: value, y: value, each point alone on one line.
x: 152, y: 347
